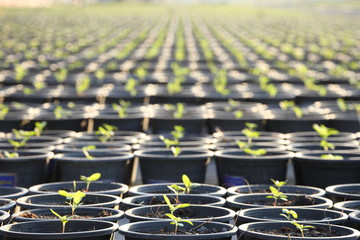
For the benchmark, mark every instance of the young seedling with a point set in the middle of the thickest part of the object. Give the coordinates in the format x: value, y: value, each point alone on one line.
x: 121, y: 108
x: 278, y: 184
x: 100, y: 74
x: 130, y: 86
x: 94, y: 177
x: 106, y: 132
x: 74, y: 199
x: 61, y: 75
x: 177, y: 221
x: 177, y: 134
x: 238, y: 114
x: 292, y: 216
x: 173, y: 208
x: 39, y: 128
x: 18, y: 144
x: 188, y: 184
x: 276, y: 195
x: 64, y: 219
x: 255, y: 152
x: 325, y: 132
x: 250, y: 132
x: 82, y: 84
x: 180, y: 108
x: 290, y: 105
x: 177, y: 190
x: 61, y: 113
x: 86, y: 149
x: 332, y: 157
x: 175, y: 150
x: 3, y: 111
x: 7, y: 154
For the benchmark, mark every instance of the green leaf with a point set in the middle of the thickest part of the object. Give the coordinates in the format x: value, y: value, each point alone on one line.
x: 65, y: 193
x: 94, y: 177
x: 186, y: 181
x: 332, y: 157
x: 167, y: 200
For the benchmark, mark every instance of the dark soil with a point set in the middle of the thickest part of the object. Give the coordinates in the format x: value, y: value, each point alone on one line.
x: 82, y: 216
x: 292, y: 201
x: 310, y: 232
x: 160, y: 201
x: 194, y: 231
x: 182, y: 213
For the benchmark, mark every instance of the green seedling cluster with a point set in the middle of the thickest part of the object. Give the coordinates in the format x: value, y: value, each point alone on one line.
x: 106, y: 132
x: 292, y: 216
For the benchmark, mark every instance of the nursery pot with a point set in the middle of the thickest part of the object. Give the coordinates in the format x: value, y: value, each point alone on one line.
x: 250, y: 231
x: 156, y: 188
x: 235, y: 167
x: 264, y: 188
x: 150, y: 230
x: 52, y: 200
x: 113, y: 166
x: 88, y: 213
x: 7, y: 205
x: 191, y: 213
x: 305, y: 215
x: 80, y: 229
x: 313, y: 170
x: 344, y: 192
x: 110, y: 188
x: 12, y: 192
x: 254, y: 200
x: 156, y: 199
x: 25, y: 170
x: 347, y: 206
x: 160, y: 165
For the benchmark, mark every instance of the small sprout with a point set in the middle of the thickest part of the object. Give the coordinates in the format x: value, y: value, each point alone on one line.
x: 177, y: 221
x: 289, y: 214
x: 188, y: 184
x: 86, y: 149
x: 286, y: 104
x: 64, y: 219
x: 257, y: 152
x: 74, y: 199
x: 241, y: 144
x: 130, y: 86
x: 100, y: 74
x: 3, y: 111
x: 61, y: 75
x: 302, y: 228
x: 276, y: 195
x: 332, y: 157
x: 238, y: 114
x: 61, y: 113
x: 175, y: 150
x: 18, y: 144
x: 323, y: 131
x: 250, y: 132
x: 106, y: 132
x: 82, y: 84
x: 278, y: 183
x: 121, y: 108
x: 178, y: 132
x: 327, y: 145
x: 94, y: 177
x: 7, y: 154
x: 342, y: 104
x: 39, y: 127
x: 173, y: 208
x: 180, y: 107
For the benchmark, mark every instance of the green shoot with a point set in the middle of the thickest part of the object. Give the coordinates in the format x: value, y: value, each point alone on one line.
x: 177, y: 190
x: 276, y: 195
x: 178, y: 132
x: 39, y: 128
x: 173, y: 208
x: 342, y: 104
x: 100, y: 74
x: 74, y: 199
x: 86, y: 149
x: 82, y: 84
x: 289, y: 214
x: 188, y: 184
x: 323, y: 131
x: 175, y: 150
x: 94, y: 177
x: 18, y: 144
x: 61, y: 75
x: 253, y: 152
x: 3, y: 111
x: 238, y: 114
x: 180, y: 107
x: 250, y: 132
x: 64, y: 219
x: 302, y: 228
x: 278, y: 183
x: 61, y: 113
x: 177, y: 221
x: 7, y: 154
x: 130, y: 86
x: 121, y: 108
x: 242, y: 145
x: 332, y: 157
x: 106, y: 132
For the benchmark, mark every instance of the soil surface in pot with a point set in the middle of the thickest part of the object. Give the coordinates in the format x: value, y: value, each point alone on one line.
x: 160, y: 201
x: 292, y: 201
x: 317, y: 232
x: 182, y: 213
x: 193, y: 231
x: 76, y: 216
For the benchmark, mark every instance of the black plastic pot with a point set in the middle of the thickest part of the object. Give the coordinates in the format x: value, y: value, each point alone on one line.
x: 142, y: 230
x: 305, y: 146
x: 4, y: 217
x: 305, y: 215
x: 254, y: 200
x: 313, y: 170
x: 160, y: 165
x: 249, y: 231
x: 113, y: 166
x: 258, y: 188
x: 75, y: 146
x: 235, y: 167
x: 26, y: 170
x: 7, y: 205
x: 132, y: 122
x: 110, y: 188
x: 80, y: 229
x: 312, y: 136
x: 52, y: 200
x: 347, y: 206
x: 157, y: 188
x: 191, y: 213
x: 344, y: 192
x: 155, y: 199
x: 354, y: 219
x: 12, y: 192
x: 88, y: 213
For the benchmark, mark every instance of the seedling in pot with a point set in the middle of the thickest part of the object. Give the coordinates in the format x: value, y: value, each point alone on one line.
x: 175, y: 150
x: 7, y: 155
x: 290, y: 105
x: 121, y: 108
x: 187, y: 183
x: 250, y: 132
x: 64, y: 219
x: 61, y: 75
x: 276, y: 195
x: 177, y: 134
x: 332, y: 157
x: 86, y: 149
x: 180, y: 108
x: 325, y: 132
x: 100, y: 74
x: 255, y: 152
x: 94, y: 177
x: 130, y: 86
x: 39, y: 128
x: 3, y: 111
x: 106, y: 132
x: 292, y: 216
x: 82, y: 84
x: 278, y: 184
x: 177, y: 221
x: 61, y: 113
x: 74, y: 199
